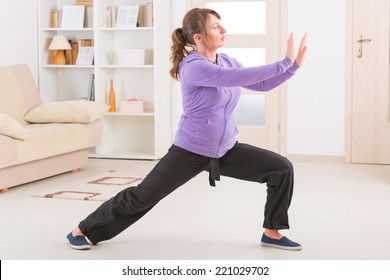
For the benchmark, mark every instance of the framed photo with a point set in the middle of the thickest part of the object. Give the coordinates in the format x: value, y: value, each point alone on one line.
x: 85, y: 56
x: 72, y: 16
x: 127, y: 16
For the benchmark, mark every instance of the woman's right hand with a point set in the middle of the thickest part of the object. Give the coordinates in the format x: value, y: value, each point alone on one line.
x: 290, y: 53
x: 301, y: 51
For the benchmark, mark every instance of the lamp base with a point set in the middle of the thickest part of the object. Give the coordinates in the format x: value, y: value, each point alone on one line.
x: 60, y: 57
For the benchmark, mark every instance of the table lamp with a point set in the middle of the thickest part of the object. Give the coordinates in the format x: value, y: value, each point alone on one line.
x: 60, y: 43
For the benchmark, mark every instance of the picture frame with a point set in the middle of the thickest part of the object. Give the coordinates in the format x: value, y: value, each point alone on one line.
x: 85, y: 56
x: 72, y: 16
x: 127, y: 16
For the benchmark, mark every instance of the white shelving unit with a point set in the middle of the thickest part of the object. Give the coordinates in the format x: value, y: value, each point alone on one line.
x: 125, y: 135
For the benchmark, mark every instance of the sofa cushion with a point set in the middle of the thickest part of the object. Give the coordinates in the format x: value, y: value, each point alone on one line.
x: 7, y: 152
x: 75, y: 111
x: 52, y: 139
x: 11, y: 128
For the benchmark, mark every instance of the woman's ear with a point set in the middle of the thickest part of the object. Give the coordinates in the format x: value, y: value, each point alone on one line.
x: 197, y: 38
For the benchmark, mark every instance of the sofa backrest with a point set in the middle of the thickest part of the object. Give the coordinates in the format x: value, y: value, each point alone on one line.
x: 18, y: 92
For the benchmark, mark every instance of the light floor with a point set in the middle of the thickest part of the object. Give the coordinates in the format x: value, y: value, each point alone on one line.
x: 339, y: 211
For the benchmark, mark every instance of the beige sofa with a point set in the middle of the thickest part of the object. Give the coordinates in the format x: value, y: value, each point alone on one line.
x: 41, y: 140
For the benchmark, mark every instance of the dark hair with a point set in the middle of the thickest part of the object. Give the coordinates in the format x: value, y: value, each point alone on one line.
x: 194, y: 22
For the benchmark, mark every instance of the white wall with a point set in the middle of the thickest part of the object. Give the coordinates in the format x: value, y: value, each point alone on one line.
x: 315, y: 94
x: 19, y: 33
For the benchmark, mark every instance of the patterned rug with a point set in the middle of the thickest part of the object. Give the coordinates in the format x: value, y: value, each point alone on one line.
x: 101, y: 188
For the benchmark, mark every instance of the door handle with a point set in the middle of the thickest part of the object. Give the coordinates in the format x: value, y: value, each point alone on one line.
x: 360, y: 42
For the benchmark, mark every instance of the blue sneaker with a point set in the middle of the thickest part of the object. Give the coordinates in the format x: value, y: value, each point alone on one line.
x: 78, y: 242
x: 283, y: 243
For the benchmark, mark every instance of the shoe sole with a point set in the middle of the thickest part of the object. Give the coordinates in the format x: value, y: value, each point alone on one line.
x: 297, y: 248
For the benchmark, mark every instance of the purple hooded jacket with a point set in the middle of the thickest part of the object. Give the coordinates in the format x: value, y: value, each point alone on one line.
x: 211, y: 92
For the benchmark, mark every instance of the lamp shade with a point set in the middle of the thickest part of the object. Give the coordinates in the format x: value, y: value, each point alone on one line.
x: 60, y: 43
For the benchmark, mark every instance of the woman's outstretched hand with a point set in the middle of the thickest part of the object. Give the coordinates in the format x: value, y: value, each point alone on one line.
x: 301, y: 51
x: 290, y: 47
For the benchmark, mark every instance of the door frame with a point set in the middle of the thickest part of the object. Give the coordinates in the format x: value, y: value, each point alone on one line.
x: 283, y: 89
x: 348, y: 80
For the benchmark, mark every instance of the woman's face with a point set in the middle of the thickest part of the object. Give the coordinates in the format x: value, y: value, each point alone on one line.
x: 216, y: 33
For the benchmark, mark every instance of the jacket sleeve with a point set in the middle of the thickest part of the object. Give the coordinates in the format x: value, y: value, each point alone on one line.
x: 275, y: 81
x: 202, y: 72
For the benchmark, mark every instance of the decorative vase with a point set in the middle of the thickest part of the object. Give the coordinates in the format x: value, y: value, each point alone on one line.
x: 111, y: 97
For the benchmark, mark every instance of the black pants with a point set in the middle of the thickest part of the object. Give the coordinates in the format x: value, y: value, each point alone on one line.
x: 178, y: 166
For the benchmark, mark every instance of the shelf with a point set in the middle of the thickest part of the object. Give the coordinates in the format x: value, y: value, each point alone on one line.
x: 114, y: 66
x: 67, y: 66
x: 118, y: 114
x: 145, y: 135
x: 66, y: 29
x: 126, y: 29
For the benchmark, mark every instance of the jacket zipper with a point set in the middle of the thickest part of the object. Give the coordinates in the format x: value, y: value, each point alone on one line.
x: 224, y: 117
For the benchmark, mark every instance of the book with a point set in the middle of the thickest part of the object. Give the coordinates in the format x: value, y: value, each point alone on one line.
x: 149, y: 14
x: 68, y: 57
x: 108, y: 17
x: 85, y: 56
x: 72, y: 16
x: 145, y: 15
x: 52, y: 53
x: 88, y: 21
x: 91, y: 86
x: 54, y: 20
x: 113, y: 16
x: 86, y: 43
x: 69, y: 54
x: 127, y: 16
x: 75, y: 48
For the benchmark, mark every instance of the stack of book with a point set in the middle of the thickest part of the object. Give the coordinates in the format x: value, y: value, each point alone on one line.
x: 76, y: 49
x: 56, y: 15
x: 88, y: 18
x: 145, y: 15
x: 55, y: 18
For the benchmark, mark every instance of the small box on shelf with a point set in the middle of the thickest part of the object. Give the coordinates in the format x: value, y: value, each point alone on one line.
x: 132, y: 105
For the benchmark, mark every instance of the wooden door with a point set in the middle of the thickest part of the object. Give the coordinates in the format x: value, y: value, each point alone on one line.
x: 370, y: 140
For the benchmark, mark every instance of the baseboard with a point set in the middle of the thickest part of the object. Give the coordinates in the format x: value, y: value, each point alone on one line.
x: 316, y: 158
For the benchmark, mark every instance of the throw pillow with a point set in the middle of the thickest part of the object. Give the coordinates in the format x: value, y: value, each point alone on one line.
x: 75, y: 111
x: 10, y: 127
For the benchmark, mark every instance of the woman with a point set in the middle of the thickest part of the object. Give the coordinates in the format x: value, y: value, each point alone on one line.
x: 205, y: 140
